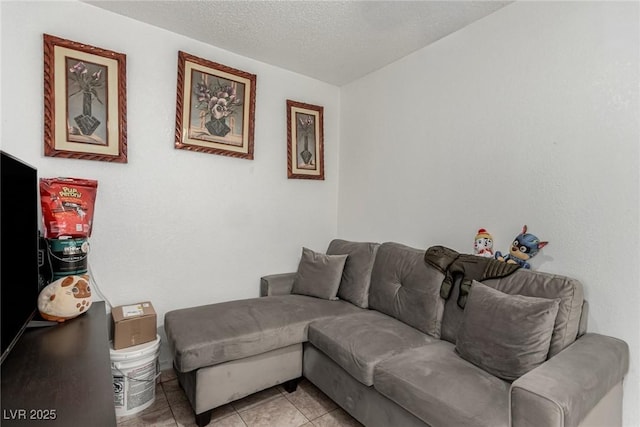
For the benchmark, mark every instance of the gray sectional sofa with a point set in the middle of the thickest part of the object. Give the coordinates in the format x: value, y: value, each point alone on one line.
x: 366, y: 324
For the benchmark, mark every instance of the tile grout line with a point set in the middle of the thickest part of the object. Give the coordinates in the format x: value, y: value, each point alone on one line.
x: 281, y: 392
x: 173, y: 415
x: 241, y: 419
x: 175, y: 421
x: 294, y: 405
x: 285, y: 393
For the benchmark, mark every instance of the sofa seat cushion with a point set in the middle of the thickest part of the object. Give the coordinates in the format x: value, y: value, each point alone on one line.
x: 439, y: 387
x: 360, y: 341
x: 216, y: 333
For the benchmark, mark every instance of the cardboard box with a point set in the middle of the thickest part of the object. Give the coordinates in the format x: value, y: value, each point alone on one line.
x: 133, y: 324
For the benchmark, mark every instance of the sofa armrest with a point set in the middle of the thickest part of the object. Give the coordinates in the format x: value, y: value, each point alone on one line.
x: 276, y: 284
x: 563, y: 390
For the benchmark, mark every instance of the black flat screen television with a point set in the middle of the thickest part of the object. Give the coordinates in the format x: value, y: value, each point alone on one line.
x: 19, y: 285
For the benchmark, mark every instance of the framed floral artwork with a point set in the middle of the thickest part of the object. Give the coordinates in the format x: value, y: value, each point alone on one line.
x: 305, y: 141
x: 85, y: 101
x: 215, y: 108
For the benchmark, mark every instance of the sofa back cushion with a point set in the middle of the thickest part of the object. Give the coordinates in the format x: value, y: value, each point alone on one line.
x: 356, y: 276
x: 533, y: 284
x: 405, y: 287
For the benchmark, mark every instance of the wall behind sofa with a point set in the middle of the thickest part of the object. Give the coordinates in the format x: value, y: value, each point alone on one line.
x: 171, y: 226
x: 529, y: 116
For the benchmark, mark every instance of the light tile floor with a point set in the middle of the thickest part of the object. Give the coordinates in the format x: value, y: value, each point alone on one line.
x: 274, y: 407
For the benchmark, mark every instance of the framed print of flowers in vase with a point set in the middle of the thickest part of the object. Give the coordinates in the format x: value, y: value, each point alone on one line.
x: 215, y: 108
x: 305, y: 141
x: 85, y: 101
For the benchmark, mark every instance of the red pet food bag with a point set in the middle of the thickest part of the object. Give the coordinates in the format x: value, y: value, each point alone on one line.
x: 67, y: 206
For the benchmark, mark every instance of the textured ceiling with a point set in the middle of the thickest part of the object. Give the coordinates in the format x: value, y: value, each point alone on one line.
x: 333, y: 41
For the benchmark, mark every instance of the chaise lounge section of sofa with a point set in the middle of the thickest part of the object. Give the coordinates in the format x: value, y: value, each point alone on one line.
x: 383, y: 344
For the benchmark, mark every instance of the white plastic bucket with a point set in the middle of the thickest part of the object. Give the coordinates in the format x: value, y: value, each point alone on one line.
x: 135, y: 370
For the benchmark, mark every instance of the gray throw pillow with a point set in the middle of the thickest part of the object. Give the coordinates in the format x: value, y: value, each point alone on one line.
x: 319, y: 274
x: 506, y: 335
x: 356, y: 277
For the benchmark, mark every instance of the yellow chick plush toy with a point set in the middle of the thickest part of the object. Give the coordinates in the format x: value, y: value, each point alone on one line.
x: 65, y: 298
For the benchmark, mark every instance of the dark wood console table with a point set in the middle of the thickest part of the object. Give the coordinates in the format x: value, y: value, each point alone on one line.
x: 61, y: 375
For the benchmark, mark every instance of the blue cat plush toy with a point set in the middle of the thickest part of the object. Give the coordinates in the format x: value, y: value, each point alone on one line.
x: 523, y: 248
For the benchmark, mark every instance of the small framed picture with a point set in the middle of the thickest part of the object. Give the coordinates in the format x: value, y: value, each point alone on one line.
x: 85, y: 101
x: 215, y: 108
x: 305, y: 141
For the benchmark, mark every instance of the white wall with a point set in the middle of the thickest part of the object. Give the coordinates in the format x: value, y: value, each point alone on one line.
x: 171, y: 226
x: 529, y: 116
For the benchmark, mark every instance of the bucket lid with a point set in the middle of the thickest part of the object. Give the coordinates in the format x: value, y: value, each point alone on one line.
x: 135, y: 351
